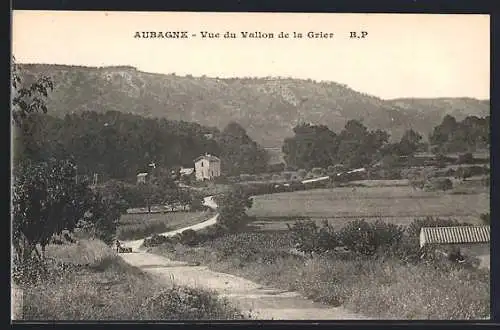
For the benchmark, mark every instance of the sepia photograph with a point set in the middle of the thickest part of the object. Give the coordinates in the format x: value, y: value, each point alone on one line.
x: 202, y: 166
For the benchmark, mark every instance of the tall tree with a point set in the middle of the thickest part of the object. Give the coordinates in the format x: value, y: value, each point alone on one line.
x: 410, y: 143
x: 239, y: 153
x: 312, y: 146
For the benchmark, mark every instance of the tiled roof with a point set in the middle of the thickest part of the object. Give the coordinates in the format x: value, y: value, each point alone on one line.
x: 454, y: 235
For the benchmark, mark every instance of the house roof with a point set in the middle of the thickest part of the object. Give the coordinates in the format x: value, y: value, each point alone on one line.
x: 142, y: 174
x: 210, y: 158
x: 454, y: 235
x: 186, y: 171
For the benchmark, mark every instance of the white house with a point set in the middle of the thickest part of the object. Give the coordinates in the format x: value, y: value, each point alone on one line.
x: 207, y: 167
x: 141, y: 177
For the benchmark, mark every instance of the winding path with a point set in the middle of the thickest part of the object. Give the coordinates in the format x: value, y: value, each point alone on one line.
x: 259, y: 302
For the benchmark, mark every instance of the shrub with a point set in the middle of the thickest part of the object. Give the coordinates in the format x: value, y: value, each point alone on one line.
x: 304, y: 235
x: 287, y: 175
x: 331, y: 170
x: 295, y: 186
x: 416, y: 181
x: 189, y: 237
x: 438, y: 184
x: 301, y: 173
x: 318, y: 171
x: 366, y: 238
x: 463, y: 173
x: 155, y: 240
x: 478, y: 170
x: 413, y: 229
x: 485, y: 217
x: 187, y: 303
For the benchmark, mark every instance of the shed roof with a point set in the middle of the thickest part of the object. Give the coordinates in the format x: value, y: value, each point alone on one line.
x: 210, y: 158
x: 454, y: 235
x: 142, y: 174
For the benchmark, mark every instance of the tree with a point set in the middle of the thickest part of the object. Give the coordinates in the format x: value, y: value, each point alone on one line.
x: 185, y: 198
x: 312, y: 146
x: 27, y: 102
x: 410, y: 143
x: 453, y: 136
x: 46, y: 201
x: 359, y: 147
x: 239, y: 153
x: 104, y: 214
x: 232, y: 208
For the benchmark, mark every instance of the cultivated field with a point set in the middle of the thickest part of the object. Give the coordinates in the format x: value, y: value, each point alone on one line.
x: 135, y: 226
x: 397, y: 204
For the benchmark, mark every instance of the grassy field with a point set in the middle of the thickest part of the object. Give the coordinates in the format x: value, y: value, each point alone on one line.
x: 88, y: 281
x: 135, y: 226
x: 397, y: 204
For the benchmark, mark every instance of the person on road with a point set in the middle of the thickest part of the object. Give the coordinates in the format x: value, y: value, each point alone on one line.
x: 118, y: 246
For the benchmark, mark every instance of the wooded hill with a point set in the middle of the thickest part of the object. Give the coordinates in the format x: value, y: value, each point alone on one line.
x: 267, y: 108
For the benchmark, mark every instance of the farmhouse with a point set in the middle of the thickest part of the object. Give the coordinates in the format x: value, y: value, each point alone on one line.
x: 207, y: 167
x: 472, y: 241
x: 141, y: 178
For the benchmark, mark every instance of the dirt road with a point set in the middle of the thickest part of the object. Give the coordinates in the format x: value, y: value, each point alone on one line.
x: 207, y: 201
x: 259, y: 302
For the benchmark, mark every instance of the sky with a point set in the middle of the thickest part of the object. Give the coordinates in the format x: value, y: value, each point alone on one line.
x: 403, y: 55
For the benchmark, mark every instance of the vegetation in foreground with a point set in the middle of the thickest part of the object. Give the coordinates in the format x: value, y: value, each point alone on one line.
x: 87, y: 281
x: 383, y: 274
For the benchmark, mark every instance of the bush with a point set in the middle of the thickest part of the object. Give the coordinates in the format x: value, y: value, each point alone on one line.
x: 416, y: 182
x: 438, y: 184
x: 318, y: 171
x: 187, y: 303
x: 366, y: 238
x: 463, y: 173
x: 413, y: 229
x: 188, y: 237
x: 304, y: 235
x: 155, y: 240
x: 301, y: 173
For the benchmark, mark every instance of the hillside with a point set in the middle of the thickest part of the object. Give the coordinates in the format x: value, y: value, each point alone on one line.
x: 268, y: 108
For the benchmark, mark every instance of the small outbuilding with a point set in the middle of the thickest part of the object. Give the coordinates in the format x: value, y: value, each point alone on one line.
x: 469, y: 241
